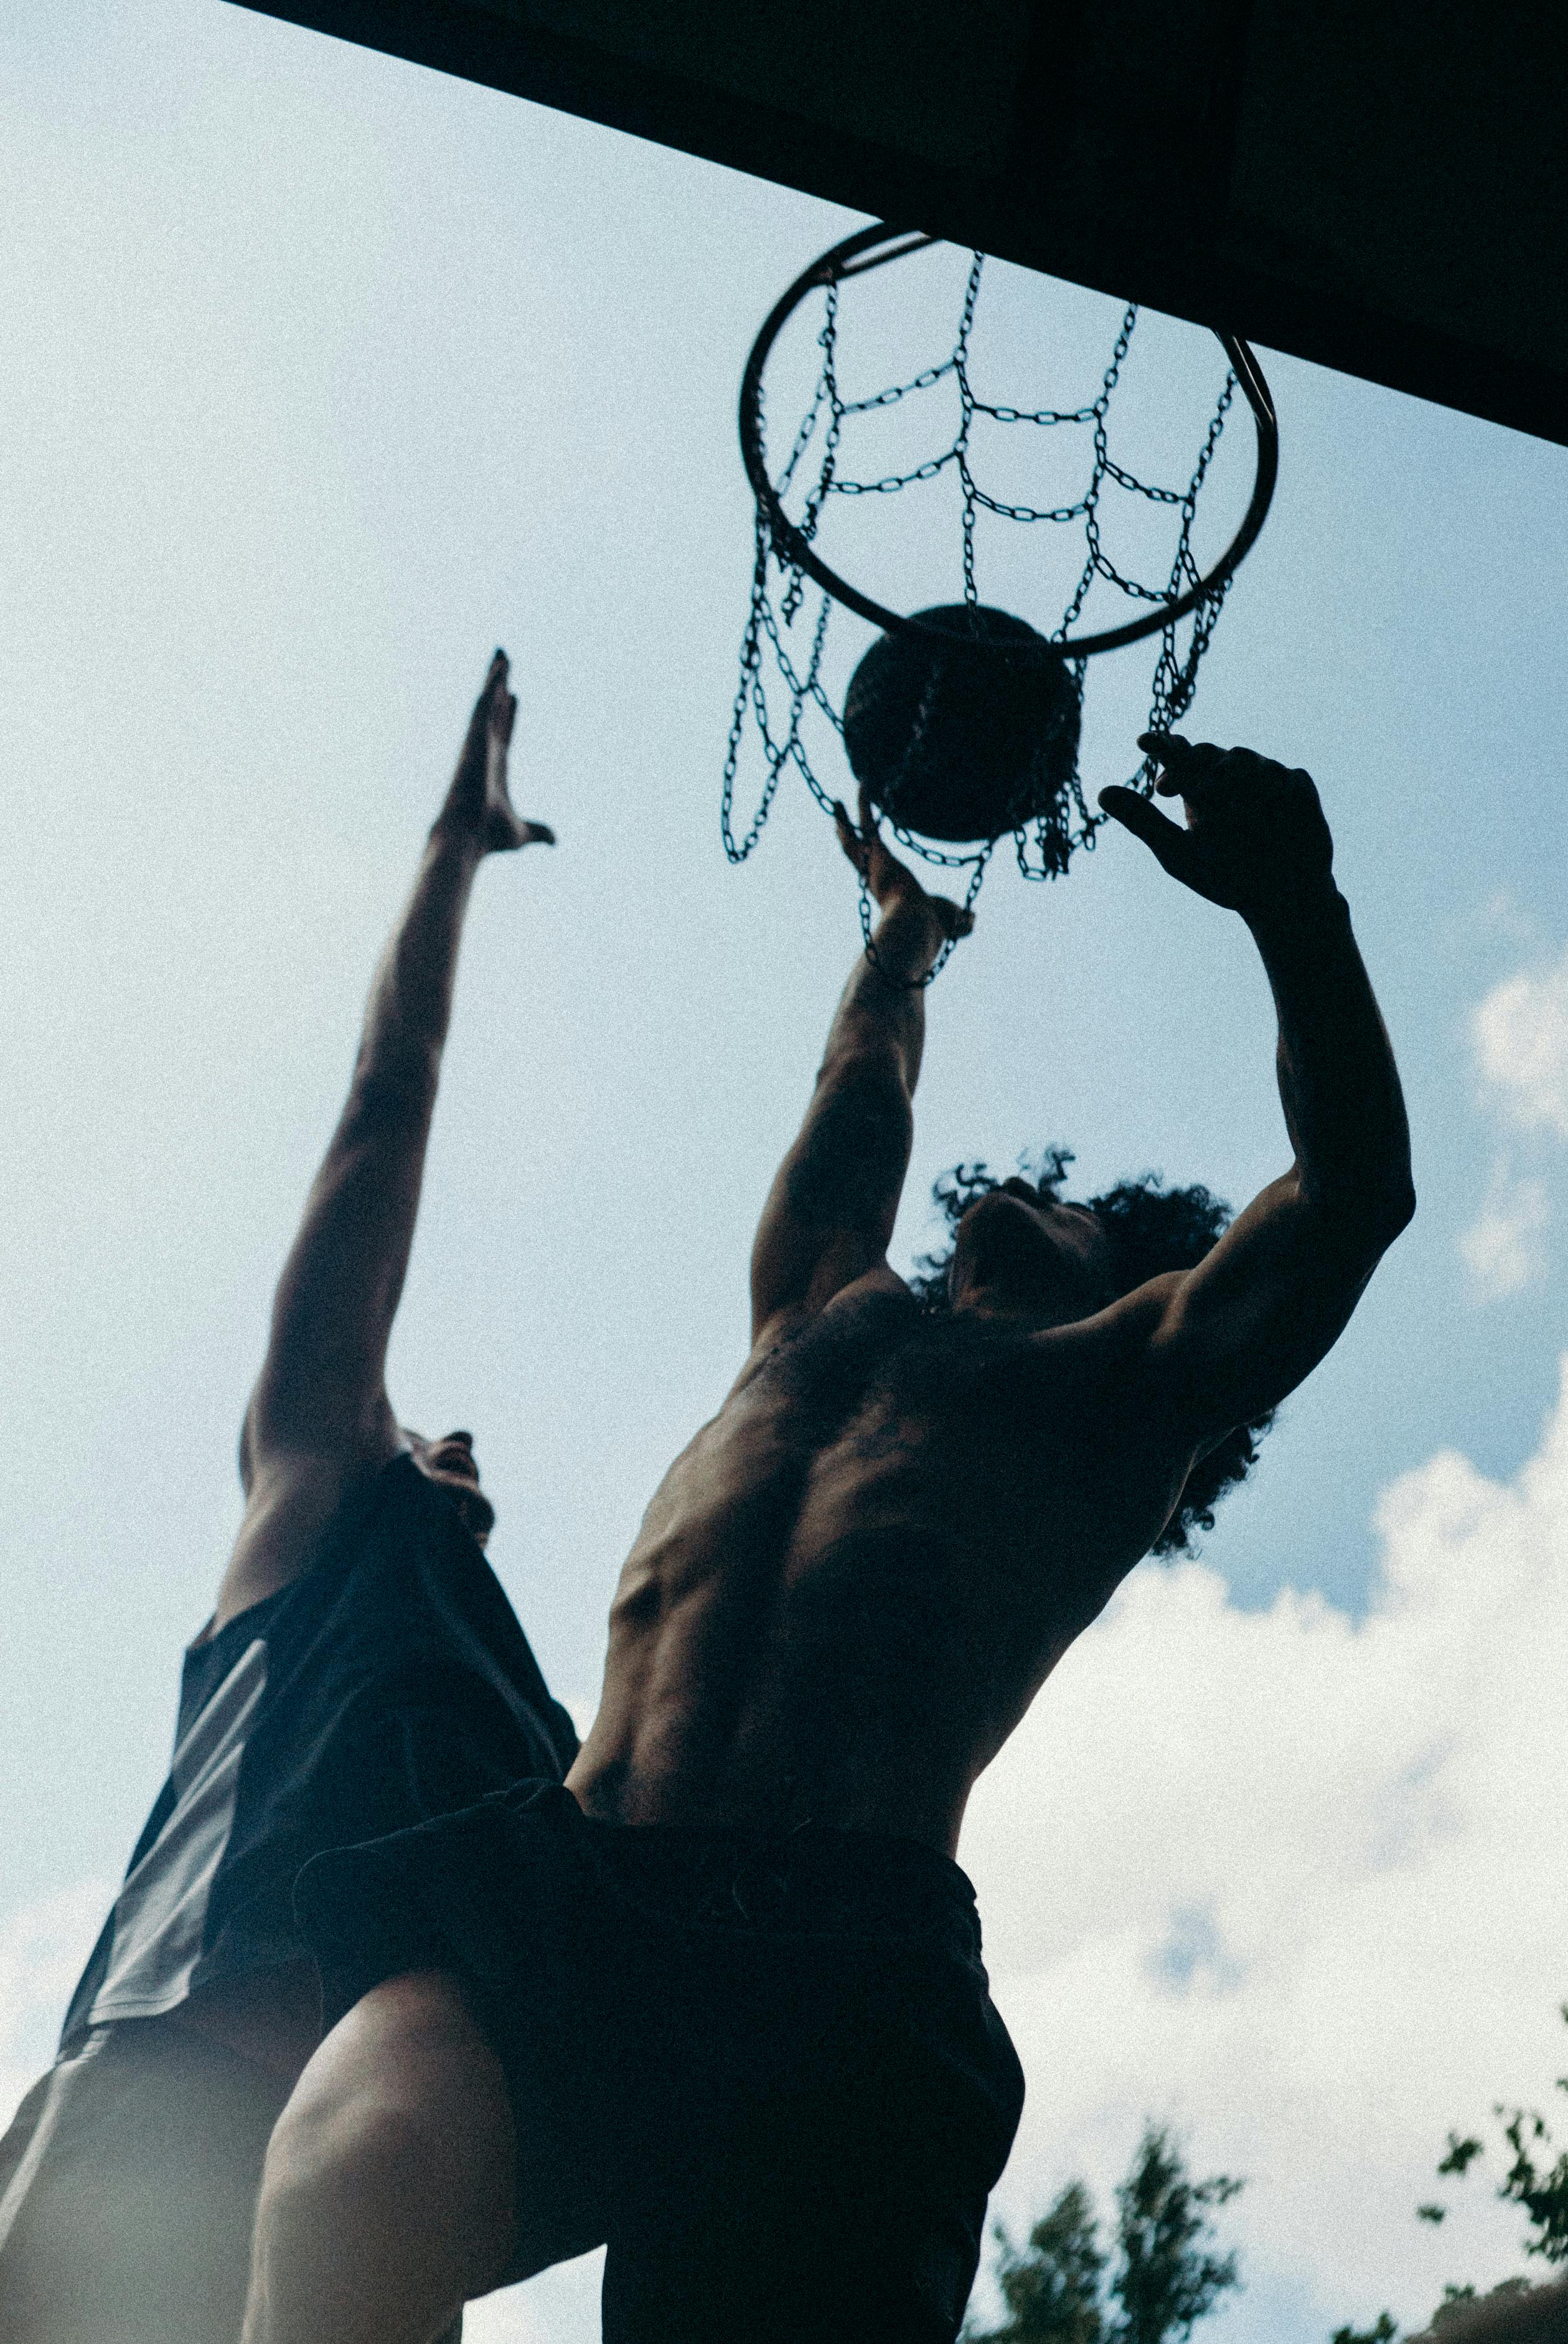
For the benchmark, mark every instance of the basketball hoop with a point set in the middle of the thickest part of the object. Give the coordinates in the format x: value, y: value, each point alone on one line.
x: 962, y: 720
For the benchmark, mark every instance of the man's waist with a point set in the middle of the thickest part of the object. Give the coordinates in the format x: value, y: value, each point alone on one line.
x: 811, y: 1878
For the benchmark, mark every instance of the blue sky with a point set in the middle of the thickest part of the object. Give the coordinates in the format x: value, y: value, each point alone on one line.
x: 322, y: 376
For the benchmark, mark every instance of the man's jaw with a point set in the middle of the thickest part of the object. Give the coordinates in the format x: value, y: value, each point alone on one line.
x: 1005, y: 1259
x: 449, y: 1464
x: 468, y: 1502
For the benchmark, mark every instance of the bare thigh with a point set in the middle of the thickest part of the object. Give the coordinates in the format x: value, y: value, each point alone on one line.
x: 389, y: 2198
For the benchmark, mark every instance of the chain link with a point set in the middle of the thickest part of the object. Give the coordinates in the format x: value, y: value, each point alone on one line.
x: 1045, y: 842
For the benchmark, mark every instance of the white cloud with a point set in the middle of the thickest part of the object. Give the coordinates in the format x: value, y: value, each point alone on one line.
x: 1504, y: 1249
x: 1298, y: 1881
x: 1521, y: 1036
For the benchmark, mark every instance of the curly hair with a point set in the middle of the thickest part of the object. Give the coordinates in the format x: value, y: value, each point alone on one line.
x: 1152, y: 1229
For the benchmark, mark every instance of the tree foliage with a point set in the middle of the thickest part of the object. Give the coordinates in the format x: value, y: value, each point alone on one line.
x: 1532, y: 2179
x: 1165, y: 2275
x: 1383, y: 2330
x: 1052, y: 2286
x: 1168, y: 2279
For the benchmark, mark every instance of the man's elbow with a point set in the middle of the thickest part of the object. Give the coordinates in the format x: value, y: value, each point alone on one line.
x: 392, y: 1088
x: 1365, y: 1216
x: 870, y: 1087
x: 1375, y: 1217
x: 1402, y: 1209
x: 1391, y: 1202
x: 873, y: 1064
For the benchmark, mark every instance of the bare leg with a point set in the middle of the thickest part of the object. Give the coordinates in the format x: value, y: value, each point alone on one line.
x: 387, y: 2199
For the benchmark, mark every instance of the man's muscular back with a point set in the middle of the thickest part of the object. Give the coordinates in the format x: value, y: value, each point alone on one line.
x: 852, y: 1582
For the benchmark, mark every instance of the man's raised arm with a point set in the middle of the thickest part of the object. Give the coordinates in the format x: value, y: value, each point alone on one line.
x: 321, y: 1392
x: 1243, y: 1328
x: 830, y: 1213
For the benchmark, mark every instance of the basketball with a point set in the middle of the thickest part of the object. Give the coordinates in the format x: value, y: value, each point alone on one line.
x: 959, y: 744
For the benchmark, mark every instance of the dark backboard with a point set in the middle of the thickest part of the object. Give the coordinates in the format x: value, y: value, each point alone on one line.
x: 1380, y: 185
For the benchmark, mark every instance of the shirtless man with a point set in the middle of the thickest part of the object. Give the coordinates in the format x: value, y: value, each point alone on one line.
x: 363, y: 1671
x: 720, y: 2000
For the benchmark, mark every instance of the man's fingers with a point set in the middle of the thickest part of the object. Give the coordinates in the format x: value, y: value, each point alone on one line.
x: 1192, y: 770
x: 1169, y: 751
x: 492, y: 698
x: 1198, y: 770
x: 1170, y: 846
x: 1170, y: 748
x: 849, y: 838
x: 1174, y: 756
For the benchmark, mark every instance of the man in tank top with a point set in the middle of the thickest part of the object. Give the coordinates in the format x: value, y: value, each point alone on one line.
x: 361, y: 1673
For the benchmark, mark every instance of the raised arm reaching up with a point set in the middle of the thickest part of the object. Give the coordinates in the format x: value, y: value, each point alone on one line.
x: 1256, y: 1316
x: 319, y: 1411
x: 830, y: 1213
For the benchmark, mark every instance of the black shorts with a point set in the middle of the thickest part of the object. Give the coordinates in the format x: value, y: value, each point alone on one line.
x: 767, y: 2071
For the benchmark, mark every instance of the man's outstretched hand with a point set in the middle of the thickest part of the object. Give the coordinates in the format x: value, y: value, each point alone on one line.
x: 893, y: 886
x: 1255, y: 840
x: 478, y: 806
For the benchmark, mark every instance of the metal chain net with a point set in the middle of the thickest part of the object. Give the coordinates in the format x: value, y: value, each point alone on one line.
x: 781, y: 638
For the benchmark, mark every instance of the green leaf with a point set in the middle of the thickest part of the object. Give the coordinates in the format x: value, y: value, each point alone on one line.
x: 1167, y: 2278
x: 1051, y: 2287
x: 1382, y: 2332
